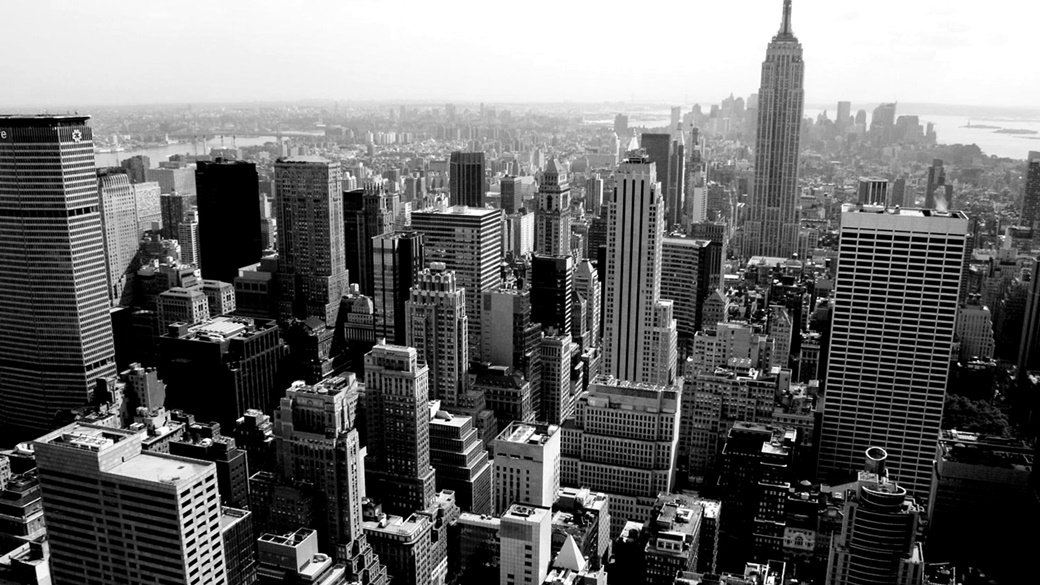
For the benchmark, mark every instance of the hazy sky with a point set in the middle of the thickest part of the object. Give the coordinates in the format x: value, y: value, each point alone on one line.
x: 95, y: 52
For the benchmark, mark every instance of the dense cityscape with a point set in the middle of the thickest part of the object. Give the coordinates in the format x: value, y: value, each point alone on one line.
x: 375, y: 343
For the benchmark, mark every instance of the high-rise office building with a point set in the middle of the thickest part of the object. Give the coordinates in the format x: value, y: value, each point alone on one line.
x: 460, y: 461
x: 772, y: 225
x: 843, y: 115
x: 469, y: 242
x: 512, y: 195
x: 436, y: 325
x: 525, y: 539
x: 936, y: 183
x: 873, y: 191
x: 149, y: 206
x: 311, y: 265
x: 137, y: 167
x: 892, y: 332
x: 587, y: 288
x: 510, y: 337
x: 222, y: 367
x: 878, y: 540
x: 639, y: 330
x: 552, y: 231
x: 55, y: 329
x: 397, y: 259
x: 157, y: 515
x: 1031, y: 198
x: 690, y: 270
x: 669, y: 156
x: 527, y: 465
x: 188, y: 238
x: 172, y: 208
x: 556, y: 392
x: 623, y: 443
x: 316, y: 442
x: 397, y: 414
x: 466, y: 178
x: 367, y: 213
x: 119, y: 220
x: 173, y: 178
x: 883, y: 122
x: 230, y: 189
x: 552, y: 291
x: 899, y: 194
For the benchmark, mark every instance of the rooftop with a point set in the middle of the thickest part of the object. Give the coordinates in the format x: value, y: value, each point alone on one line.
x: 304, y: 160
x: 530, y: 434
x: 523, y: 513
x: 161, y: 468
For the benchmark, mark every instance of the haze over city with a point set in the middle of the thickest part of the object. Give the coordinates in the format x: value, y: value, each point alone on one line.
x: 119, y: 53
x: 531, y: 293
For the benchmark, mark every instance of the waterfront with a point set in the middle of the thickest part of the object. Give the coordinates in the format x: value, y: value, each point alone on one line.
x: 162, y: 153
x: 948, y: 129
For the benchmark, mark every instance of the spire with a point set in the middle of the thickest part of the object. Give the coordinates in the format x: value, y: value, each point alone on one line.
x: 785, y: 25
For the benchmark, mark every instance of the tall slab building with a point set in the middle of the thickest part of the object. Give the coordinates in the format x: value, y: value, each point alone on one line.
x: 312, y: 264
x: 116, y: 514
x: 229, y: 208
x: 398, y: 418
x: 468, y: 240
x: 55, y: 330
x: 468, y: 184
x: 639, y: 330
x: 896, y: 291
x: 772, y: 225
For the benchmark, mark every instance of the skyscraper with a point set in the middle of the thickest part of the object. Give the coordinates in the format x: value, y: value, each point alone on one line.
x: 397, y: 259
x: 936, y: 182
x: 157, y: 515
x: 552, y: 229
x: 639, y: 331
x: 772, y: 225
x: 623, y: 443
x: 312, y: 269
x: 512, y: 197
x: 229, y: 207
x: 661, y: 151
x: 55, y: 330
x: 437, y: 326
x: 469, y: 242
x: 896, y: 291
x: 119, y: 219
x: 367, y: 213
x: 316, y: 442
x: 873, y: 191
x: 552, y: 291
x: 397, y: 412
x: 466, y: 177
x: 690, y: 270
x: 843, y: 114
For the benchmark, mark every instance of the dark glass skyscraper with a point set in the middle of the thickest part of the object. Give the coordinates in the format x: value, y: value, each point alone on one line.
x: 466, y: 174
x: 229, y: 217
x: 55, y: 331
x: 772, y: 225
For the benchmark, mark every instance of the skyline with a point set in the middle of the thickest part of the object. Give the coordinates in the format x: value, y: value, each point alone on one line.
x: 306, y: 58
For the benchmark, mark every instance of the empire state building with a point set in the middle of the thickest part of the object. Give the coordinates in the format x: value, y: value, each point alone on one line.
x: 772, y: 225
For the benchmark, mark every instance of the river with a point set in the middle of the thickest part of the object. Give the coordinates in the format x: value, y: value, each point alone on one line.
x: 163, y: 153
